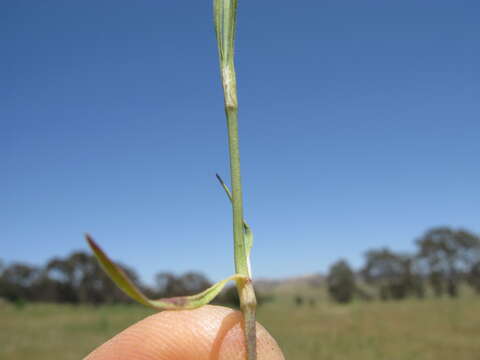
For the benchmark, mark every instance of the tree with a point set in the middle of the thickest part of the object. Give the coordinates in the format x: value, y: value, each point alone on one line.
x: 449, y: 255
x: 229, y: 297
x: 393, y: 274
x: 193, y: 283
x: 341, y: 282
x: 473, y: 277
x: 169, y: 285
x: 78, y: 278
x: 17, y: 282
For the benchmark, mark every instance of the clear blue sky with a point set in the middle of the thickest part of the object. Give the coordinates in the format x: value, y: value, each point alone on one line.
x: 359, y: 125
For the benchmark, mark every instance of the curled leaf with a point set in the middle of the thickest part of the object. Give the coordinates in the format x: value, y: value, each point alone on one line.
x: 174, y: 303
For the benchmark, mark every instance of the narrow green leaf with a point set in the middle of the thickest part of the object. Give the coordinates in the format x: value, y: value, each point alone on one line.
x: 225, y: 25
x: 116, y: 273
x: 217, y: 16
x: 175, y: 303
x: 247, y: 231
x: 195, y: 301
x: 225, y: 187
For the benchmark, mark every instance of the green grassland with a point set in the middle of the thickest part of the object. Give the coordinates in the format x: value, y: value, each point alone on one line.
x: 440, y: 329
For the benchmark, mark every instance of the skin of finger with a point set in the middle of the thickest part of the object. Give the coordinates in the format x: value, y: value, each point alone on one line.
x: 207, y: 333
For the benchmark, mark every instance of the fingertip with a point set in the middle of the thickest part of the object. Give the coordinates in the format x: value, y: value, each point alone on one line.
x: 229, y: 343
x: 207, y: 333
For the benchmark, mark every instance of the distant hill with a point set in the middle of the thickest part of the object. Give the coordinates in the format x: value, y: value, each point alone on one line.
x: 311, y: 280
x: 309, y: 287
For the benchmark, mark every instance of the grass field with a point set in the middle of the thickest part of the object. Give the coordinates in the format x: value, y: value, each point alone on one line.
x: 411, y: 330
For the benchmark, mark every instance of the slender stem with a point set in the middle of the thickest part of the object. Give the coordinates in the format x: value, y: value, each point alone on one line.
x: 248, y: 305
x: 246, y: 291
x: 239, y: 243
x: 225, y: 23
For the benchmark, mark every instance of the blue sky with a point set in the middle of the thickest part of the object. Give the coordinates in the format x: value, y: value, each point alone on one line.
x: 359, y: 125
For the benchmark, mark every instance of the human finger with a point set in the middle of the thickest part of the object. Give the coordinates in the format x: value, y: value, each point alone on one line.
x: 207, y: 333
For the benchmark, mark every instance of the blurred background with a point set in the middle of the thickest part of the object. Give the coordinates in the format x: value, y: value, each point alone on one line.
x: 359, y: 142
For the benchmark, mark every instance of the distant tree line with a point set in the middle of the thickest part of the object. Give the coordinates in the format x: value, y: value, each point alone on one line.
x: 78, y: 279
x: 445, y: 259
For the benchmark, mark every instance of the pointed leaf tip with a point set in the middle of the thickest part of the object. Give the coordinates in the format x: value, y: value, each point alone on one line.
x: 93, y: 245
x: 116, y: 273
x: 225, y: 187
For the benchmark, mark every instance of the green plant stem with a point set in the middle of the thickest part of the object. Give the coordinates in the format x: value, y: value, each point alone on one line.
x: 245, y: 289
x: 225, y: 26
x: 240, y: 250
